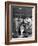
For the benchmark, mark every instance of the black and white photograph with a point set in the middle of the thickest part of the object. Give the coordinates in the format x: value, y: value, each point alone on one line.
x: 21, y: 21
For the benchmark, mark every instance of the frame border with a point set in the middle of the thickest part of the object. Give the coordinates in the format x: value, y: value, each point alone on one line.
x: 7, y: 22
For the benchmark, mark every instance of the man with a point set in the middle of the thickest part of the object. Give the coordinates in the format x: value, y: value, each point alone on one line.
x: 28, y: 22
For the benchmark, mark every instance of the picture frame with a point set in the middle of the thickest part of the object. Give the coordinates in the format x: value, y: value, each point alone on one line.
x: 26, y: 13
